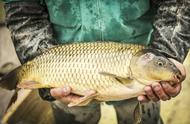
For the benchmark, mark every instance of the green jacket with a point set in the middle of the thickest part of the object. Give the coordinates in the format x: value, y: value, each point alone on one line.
x: 93, y: 20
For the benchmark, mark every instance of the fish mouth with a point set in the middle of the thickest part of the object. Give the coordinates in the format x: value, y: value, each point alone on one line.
x: 177, y: 78
x: 180, y: 72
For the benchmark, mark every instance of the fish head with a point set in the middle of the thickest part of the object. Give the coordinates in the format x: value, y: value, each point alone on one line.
x: 150, y: 66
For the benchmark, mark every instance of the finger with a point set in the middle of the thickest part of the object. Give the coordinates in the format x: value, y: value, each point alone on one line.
x: 150, y: 94
x: 69, y: 98
x: 158, y: 90
x: 60, y: 92
x: 143, y: 99
x: 172, y: 91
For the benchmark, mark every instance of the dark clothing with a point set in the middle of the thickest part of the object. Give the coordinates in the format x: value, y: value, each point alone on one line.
x: 172, y: 24
x: 30, y: 28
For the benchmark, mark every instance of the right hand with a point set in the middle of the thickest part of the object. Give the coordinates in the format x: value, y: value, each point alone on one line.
x: 64, y: 95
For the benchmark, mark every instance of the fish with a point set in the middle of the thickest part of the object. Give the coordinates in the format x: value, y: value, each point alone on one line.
x: 96, y: 71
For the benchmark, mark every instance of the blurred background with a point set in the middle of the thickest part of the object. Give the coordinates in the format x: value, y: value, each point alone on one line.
x: 174, y: 111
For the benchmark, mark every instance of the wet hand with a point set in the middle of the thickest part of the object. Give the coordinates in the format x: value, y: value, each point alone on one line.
x: 64, y: 95
x: 160, y: 91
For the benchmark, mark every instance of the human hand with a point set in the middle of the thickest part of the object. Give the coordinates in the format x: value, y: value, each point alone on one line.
x: 160, y: 91
x: 163, y: 90
x: 64, y: 95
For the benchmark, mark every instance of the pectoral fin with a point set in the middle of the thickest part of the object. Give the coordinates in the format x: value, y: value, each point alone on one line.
x: 126, y: 80
x: 108, y: 74
x: 138, y: 114
x: 90, y: 94
x: 31, y: 85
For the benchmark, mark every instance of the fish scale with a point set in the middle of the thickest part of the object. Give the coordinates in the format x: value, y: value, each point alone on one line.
x: 105, y: 71
x: 79, y: 65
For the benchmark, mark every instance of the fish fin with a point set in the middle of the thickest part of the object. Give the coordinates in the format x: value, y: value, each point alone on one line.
x: 85, y: 100
x: 138, y: 114
x: 29, y: 85
x: 122, y: 80
x: 10, y: 80
x: 107, y: 74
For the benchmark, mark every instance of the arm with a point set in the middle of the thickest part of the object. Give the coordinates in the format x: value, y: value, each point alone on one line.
x: 30, y: 28
x: 32, y: 33
x: 172, y: 35
x: 171, y: 25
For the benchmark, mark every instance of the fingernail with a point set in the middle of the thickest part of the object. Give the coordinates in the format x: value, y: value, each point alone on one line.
x: 164, y: 84
x: 147, y: 88
x: 140, y: 98
x: 52, y: 91
x: 66, y: 89
x: 55, y: 91
x: 156, y: 86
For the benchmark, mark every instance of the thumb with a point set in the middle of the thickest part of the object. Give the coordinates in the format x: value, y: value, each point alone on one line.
x: 60, y: 92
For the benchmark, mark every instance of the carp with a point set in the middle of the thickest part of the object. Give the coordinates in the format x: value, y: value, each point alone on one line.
x: 101, y: 71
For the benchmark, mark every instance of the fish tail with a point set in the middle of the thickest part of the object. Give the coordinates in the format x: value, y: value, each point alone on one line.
x: 10, y: 80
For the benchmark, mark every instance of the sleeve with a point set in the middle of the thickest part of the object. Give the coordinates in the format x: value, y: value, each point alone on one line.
x: 30, y: 28
x: 31, y: 32
x: 171, y: 28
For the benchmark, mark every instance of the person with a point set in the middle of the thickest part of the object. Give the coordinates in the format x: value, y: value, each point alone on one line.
x: 37, y: 25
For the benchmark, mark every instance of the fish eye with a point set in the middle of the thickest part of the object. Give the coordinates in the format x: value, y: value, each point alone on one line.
x: 160, y: 63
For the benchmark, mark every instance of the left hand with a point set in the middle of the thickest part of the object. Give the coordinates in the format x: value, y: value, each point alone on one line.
x: 163, y: 90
